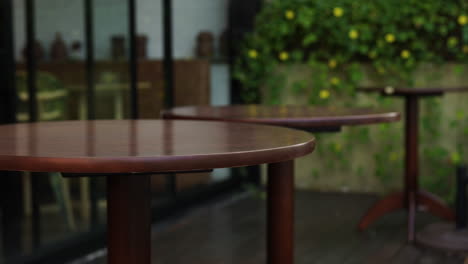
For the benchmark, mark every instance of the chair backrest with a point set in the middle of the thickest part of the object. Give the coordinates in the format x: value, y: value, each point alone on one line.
x: 51, y: 97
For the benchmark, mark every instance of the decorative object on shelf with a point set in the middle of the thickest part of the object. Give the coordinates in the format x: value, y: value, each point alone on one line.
x: 58, y: 50
x: 76, y: 50
x: 118, y: 47
x: 223, y: 44
x: 141, y: 45
x: 38, y: 51
x: 205, y: 44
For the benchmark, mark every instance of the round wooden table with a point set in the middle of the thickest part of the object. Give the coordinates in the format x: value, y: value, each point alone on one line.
x: 412, y: 196
x: 126, y: 152
x: 315, y: 119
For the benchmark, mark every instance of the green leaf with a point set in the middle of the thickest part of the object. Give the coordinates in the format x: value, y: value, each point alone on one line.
x: 465, y: 34
x: 309, y: 39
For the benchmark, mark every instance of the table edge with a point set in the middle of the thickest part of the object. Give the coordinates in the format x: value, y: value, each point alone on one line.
x: 155, y: 164
x: 297, y: 122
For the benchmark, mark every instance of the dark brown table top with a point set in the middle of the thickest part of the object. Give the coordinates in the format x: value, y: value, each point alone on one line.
x: 404, y: 91
x: 290, y: 116
x: 123, y: 146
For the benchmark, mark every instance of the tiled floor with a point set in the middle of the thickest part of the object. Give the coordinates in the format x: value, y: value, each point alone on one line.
x: 233, y: 232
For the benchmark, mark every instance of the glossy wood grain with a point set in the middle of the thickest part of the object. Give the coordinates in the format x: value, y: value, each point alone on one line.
x: 406, y: 91
x: 288, y: 115
x: 124, y: 146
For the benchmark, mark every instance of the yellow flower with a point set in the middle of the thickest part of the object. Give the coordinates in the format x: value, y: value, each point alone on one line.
x: 289, y: 14
x: 405, y: 54
x: 332, y: 63
x: 337, y: 147
x: 324, y: 94
x: 253, y: 54
x: 390, y: 38
x: 353, y: 34
x: 338, y: 11
x: 455, y: 157
x: 335, y: 80
x: 284, y: 56
x: 452, y: 41
x: 393, y: 156
x: 463, y: 20
x: 465, y: 49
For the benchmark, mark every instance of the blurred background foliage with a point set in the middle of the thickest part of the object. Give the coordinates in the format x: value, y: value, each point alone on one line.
x: 338, y: 45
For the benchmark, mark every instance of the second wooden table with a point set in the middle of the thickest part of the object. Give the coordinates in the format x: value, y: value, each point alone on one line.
x: 317, y: 119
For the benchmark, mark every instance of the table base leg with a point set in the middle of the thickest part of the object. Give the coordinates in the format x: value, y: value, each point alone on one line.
x: 397, y: 201
x: 128, y: 219
x: 390, y: 203
x: 435, y: 205
x: 412, y: 206
x: 280, y: 218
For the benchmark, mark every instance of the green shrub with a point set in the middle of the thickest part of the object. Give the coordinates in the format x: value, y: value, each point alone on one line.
x: 395, y: 36
x: 335, y: 38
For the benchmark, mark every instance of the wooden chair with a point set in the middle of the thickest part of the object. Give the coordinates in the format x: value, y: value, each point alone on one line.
x: 52, y: 105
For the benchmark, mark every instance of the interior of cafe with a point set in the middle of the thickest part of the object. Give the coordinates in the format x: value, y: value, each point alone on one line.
x: 233, y: 131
